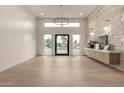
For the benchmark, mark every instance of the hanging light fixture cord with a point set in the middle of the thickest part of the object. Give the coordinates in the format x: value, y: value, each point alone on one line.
x: 61, y: 20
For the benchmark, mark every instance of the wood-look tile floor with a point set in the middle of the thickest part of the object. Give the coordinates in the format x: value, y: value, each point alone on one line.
x: 61, y: 71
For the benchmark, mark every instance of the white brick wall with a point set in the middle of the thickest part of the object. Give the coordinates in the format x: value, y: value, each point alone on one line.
x: 108, y: 16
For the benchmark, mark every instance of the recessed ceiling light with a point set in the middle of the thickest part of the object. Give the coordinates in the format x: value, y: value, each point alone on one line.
x: 42, y: 13
x: 81, y: 14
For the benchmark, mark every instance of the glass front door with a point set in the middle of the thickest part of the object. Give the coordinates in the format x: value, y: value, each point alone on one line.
x: 61, y: 44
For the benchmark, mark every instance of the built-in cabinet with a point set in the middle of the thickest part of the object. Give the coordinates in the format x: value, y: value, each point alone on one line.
x: 107, y: 57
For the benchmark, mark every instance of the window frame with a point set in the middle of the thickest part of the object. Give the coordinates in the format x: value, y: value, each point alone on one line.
x: 71, y: 24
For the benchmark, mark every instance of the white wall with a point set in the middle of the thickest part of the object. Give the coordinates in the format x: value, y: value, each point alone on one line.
x: 55, y: 30
x: 17, y: 36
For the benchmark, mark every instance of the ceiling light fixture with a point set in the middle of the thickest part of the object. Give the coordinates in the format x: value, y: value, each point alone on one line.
x: 61, y: 20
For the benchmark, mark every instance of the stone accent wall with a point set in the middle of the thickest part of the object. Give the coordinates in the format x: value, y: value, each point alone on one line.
x: 108, y: 20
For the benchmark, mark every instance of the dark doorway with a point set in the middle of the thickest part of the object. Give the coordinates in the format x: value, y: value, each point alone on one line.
x: 62, y: 44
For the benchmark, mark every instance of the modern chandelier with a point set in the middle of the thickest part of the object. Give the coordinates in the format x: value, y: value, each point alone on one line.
x: 61, y: 21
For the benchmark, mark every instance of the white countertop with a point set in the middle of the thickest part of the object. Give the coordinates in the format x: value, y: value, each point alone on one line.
x: 107, y: 51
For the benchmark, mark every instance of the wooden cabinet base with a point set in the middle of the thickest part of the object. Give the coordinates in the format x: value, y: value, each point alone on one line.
x: 108, y: 57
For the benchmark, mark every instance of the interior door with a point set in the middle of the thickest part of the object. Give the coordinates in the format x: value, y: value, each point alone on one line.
x: 61, y: 44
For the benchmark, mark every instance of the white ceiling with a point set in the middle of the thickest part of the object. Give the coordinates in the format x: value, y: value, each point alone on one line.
x: 54, y: 11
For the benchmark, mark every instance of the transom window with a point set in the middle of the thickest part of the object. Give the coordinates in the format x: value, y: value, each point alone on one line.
x: 70, y: 24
